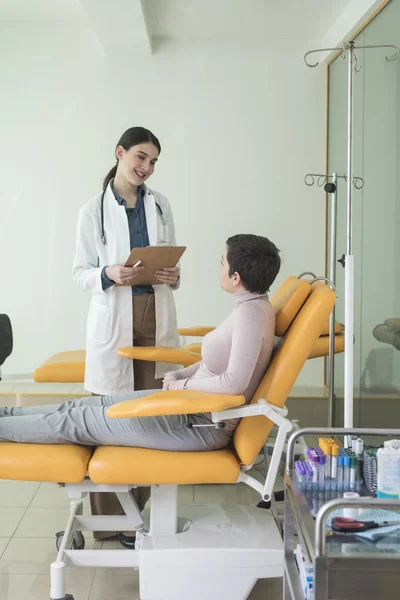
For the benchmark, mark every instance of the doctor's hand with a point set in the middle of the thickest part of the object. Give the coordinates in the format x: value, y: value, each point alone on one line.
x: 121, y: 274
x: 168, y: 275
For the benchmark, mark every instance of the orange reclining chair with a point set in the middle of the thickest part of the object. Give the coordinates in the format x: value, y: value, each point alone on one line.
x: 208, y: 551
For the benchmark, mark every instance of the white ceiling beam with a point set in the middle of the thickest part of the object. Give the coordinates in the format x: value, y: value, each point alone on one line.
x: 119, y: 25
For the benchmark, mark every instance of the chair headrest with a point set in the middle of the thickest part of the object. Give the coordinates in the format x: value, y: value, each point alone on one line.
x: 287, y: 301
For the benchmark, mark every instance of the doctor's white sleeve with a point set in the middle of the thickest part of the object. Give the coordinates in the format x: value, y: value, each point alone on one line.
x: 172, y: 240
x: 86, y: 271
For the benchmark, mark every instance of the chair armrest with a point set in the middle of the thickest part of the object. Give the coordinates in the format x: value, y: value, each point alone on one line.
x: 174, y: 402
x: 195, y: 347
x: 165, y: 354
x: 195, y: 331
x: 339, y: 328
x: 321, y: 346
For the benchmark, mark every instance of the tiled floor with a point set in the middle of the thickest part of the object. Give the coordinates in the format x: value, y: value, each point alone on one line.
x: 31, y: 513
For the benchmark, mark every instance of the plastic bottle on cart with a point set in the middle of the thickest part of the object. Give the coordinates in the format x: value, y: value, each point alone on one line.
x: 334, y: 466
x: 346, y: 473
x: 340, y: 467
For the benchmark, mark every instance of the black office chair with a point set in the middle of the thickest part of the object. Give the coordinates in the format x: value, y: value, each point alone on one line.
x: 6, y: 339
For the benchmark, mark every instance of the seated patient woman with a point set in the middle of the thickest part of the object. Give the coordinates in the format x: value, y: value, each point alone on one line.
x: 234, y: 359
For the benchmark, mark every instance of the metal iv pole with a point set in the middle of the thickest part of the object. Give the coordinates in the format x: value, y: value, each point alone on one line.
x: 348, y: 49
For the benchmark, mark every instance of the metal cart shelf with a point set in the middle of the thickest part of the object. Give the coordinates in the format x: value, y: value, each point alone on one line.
x: 369, y: 574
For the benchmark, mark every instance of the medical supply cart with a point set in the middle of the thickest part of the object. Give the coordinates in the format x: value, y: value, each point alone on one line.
x: 343, y: 568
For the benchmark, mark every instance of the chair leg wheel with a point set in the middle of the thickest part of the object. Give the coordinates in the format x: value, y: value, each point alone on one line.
x: 79, y: 541
x: 77, y: 544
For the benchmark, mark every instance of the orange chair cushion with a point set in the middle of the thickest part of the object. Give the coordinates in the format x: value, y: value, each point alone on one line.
x: 287, y: 302
x: 199, y: 331
x: 339, y: 328
x: 64, y: 367
x: 42, y: 462
x: 195, y: 347
x: 321, y: 346
x: 174, y: 402
x: 116, y: 465
x: 167, y: 354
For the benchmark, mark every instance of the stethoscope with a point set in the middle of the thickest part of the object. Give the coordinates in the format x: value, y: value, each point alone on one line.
x: 103, y: 233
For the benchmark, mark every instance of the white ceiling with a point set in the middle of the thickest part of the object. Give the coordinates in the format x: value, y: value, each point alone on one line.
x: 253, y: 20
x: 41, y: 10
x: 296, y: 19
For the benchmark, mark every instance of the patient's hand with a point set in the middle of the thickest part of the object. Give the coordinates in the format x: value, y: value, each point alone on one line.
x: 168, y: 378
x: 175, y: 384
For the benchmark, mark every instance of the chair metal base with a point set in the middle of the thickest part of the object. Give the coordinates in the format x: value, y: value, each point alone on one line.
x: 208, y: 551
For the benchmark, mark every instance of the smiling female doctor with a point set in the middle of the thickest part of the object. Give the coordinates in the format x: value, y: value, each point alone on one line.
x: 125, y: 215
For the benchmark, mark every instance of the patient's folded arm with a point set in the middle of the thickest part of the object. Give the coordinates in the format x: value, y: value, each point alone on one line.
x: 174, y: 402
x: 167, y: 354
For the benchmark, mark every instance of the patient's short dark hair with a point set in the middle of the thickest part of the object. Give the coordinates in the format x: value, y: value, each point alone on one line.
x: 256, y: 259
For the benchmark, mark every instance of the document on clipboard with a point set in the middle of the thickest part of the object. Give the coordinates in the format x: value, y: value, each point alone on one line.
x: 153, y: 258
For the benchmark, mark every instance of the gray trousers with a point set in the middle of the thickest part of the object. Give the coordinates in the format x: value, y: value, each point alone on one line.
x: 85, y: 422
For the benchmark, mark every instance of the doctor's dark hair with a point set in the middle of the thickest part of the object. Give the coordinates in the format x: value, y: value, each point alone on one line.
x: 132, y: 137
x: 256, y: 259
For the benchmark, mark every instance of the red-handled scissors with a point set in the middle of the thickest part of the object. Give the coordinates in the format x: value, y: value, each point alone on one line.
x: 345, y: 525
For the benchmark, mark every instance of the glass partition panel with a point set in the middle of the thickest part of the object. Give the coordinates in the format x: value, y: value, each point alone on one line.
x: 380, y: 241
x: 376, y: 216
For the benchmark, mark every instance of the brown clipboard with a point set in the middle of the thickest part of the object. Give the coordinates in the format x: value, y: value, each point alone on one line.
x: 153, y: 259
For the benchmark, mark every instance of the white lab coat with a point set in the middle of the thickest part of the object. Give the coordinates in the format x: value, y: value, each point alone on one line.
x: 109, y: 324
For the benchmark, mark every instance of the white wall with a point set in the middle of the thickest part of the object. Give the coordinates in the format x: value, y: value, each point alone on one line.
x: 240, y: 127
